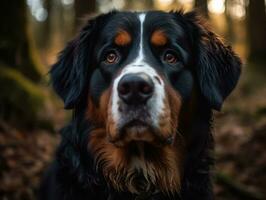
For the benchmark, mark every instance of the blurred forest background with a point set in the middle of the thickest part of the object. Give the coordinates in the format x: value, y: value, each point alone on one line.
x: 32, y: 32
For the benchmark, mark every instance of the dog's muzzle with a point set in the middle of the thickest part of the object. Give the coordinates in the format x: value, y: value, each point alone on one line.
x: 137, y: 102
x: 134, y: 91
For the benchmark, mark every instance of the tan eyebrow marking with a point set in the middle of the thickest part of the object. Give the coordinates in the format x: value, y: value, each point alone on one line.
x: 122, y: 38
x: 158, y: 38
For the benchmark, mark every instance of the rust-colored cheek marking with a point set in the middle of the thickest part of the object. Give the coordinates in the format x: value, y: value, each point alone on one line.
x: 158, y: 38
x: 98, y: 114
x: 122, y: 38
x: 169, y: 119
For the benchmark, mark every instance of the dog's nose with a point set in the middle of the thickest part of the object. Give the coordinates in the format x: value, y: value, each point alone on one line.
x: 135, y: 89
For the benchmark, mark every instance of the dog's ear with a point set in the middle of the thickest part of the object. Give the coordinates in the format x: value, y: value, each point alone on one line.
x: 217, y: 67
x: 72, y: 71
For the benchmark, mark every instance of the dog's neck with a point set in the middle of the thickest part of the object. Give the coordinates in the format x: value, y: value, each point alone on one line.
x: 139, y: 167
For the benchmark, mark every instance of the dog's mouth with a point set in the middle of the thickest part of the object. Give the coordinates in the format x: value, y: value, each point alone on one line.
x: 139, y: 130
x: 140, y: 123
x: 134, y: 130
x: 135, y: 124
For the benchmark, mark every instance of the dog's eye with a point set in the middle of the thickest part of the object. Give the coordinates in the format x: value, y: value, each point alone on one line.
x: 111, y: 57
x: 170, y: 57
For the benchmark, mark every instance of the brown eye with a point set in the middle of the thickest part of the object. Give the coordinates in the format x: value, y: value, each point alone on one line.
x: 111, y: 57
x: 170, y: 57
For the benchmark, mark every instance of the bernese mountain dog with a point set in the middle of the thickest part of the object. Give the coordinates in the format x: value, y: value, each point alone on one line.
x: 142, y: 87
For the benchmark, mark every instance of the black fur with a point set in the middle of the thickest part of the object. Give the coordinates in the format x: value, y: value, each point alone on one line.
x: 217, y: 67
x: 207, y: 64
x: 75, y: 64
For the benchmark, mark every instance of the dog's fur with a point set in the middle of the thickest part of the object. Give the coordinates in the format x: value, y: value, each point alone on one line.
x: 167, y: 154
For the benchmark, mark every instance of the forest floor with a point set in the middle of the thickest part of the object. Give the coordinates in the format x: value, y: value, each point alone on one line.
x: 240, y: 134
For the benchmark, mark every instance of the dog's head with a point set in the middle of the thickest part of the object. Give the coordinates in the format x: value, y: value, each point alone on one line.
x: 135, y: 71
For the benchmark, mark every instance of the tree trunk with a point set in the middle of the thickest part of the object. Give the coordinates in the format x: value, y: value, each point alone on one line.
x: 16, y: 48
x: 139, y: 5
x: 21, y: 99
x: 202, y: 6
x: 229, y: 35
x: 44, y: 28
x: 149, y: 4
x: 83, y: 8
x: 256, y: 28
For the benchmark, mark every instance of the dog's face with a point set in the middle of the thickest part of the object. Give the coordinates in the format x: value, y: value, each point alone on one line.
x: 135, y: 71
x: 138, y: 58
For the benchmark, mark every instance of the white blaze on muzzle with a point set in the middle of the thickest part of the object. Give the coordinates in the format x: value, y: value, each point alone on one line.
x: 155, y: 104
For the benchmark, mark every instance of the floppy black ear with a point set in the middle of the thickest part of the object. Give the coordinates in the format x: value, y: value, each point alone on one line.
x: 72, y: 71
x: 217, y: 66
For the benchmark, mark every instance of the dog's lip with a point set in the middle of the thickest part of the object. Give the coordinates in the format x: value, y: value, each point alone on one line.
x: 135, y: 123
x: 139, y: 126
x: 142, y: 127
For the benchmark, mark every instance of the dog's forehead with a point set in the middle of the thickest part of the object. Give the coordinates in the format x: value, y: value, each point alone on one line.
x: 164, y: 21
x: 128, y: 21
x: 131, y: 22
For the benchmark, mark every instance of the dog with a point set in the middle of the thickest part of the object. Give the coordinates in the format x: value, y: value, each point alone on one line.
x: 142, y: 87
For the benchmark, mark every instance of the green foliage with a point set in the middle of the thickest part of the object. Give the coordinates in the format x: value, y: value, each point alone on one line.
x: 20, y: 99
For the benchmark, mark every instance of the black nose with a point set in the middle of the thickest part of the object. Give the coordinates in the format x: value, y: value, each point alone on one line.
x: 135, y: 89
